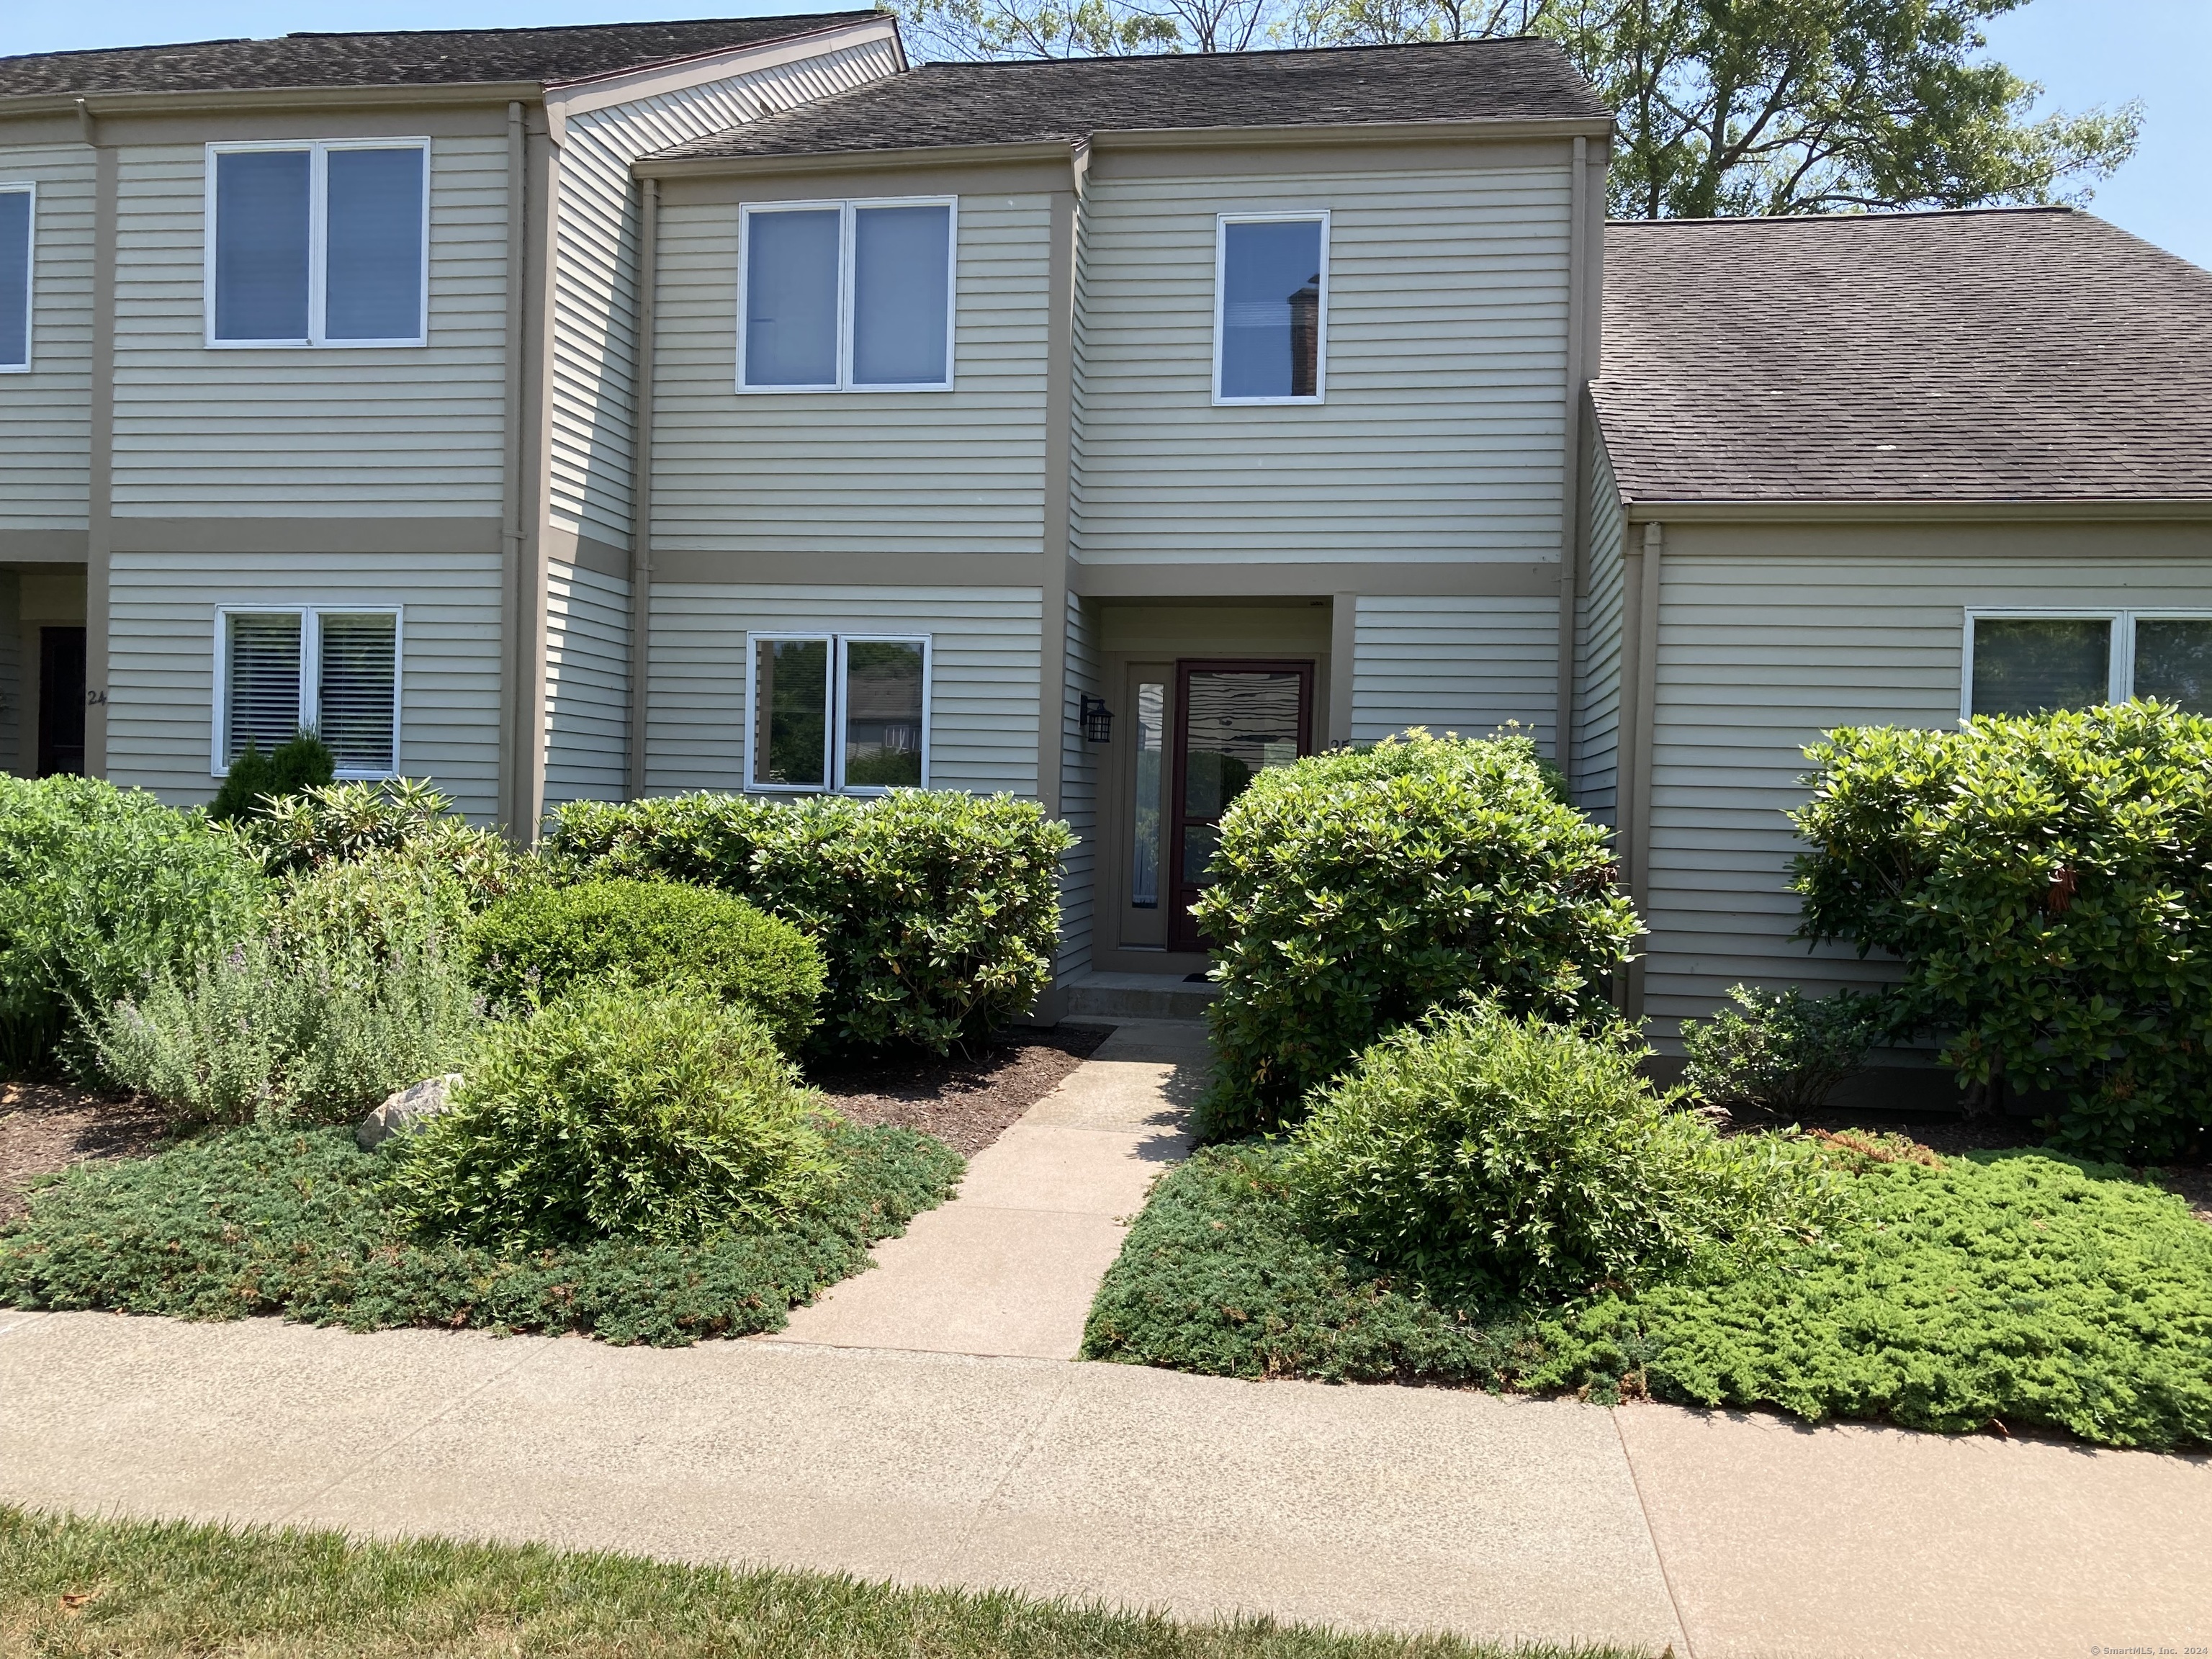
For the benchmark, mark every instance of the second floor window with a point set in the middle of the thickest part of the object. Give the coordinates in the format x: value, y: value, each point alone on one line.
x: 318, y: 244
x: 1271, y: 307
x: 18, y: 210
x: 846, y: 296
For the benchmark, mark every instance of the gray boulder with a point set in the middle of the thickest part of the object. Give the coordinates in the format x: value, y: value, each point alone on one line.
x: 407, y: 1109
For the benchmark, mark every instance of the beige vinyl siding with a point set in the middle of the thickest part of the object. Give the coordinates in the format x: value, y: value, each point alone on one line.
x: 1768, y: 638
x: 922, y: 472
x: 289, y: 431
x: 1442, y: 434
x: 595, y: 265
x: 1595, y: 771
x: 160, y: 676
x: 1463, y: 665
x: 587, y: 686
x: 1079, y: 788
x: 985, y: 658
x: 45, y: 419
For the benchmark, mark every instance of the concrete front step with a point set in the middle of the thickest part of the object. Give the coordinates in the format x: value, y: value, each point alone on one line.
x: 1138, y: 996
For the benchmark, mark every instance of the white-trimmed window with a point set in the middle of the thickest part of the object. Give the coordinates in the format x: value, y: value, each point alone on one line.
x: 1271, y: 307
x: 2025, y: 662
x: 333, y: 670
x: 19, y: 217
x: 846, y: 296
x: 838, y: 712
x: 321, y: 244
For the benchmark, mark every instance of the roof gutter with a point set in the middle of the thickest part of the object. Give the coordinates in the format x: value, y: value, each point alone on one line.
x: 851, y: 161
x: 268, y: 98
x: 2006, y: 510
x: 1136, y: 139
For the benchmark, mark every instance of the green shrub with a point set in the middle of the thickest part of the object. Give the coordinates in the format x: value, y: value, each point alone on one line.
x: 255, y: 779
x: 100, y: 890
x: 540, y: 942
x: 1780, y: 1050
x: 400, y: 820
x: 616, y: 1112
x: 2046, y: 881
x: 2010, y: 1287
x: 1354, y: 891
x: 937, y: 912
x: 346, y: 997
x: 1491, y: 1156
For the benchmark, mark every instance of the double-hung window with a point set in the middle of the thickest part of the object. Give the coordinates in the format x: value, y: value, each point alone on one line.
x: 19, y: 214
x: 1270, y: 307
x: 323, y: 244
x: 330, y: 670
x: 2028, y: 662
x: 846, y: 296
x: 845, y: 712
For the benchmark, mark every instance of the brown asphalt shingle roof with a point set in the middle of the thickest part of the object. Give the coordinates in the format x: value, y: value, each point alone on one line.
x: 1033, y: 102
x: 414, y: 57
x: 2010, y: 354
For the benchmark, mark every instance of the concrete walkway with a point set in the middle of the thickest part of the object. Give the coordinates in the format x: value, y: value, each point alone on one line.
x: 869, y: 1447
x: 1009, y: 1267
x: 1725, y: 1536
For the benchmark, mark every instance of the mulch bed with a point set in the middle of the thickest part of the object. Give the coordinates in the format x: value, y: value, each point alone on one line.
x: 965, y: 1104
x: 45, y: 1127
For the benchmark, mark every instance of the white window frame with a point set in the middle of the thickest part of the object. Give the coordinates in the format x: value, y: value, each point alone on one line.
x: 318, y: 151
x: 311, y: 665
x: 846, y: 241
x: 2120, y: 668
x: 26, y: 187
x: 1300, y: 215
x: 833, y: 757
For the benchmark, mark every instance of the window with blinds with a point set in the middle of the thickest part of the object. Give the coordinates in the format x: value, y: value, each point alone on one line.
x: 333, y: 673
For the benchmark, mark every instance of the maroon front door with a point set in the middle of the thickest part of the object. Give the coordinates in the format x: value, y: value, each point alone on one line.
x: 1232, y: 720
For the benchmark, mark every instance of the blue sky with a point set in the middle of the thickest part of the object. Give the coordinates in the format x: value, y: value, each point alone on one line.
x: 2084, y: 52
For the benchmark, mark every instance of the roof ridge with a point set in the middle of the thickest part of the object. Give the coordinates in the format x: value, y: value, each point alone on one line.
x: 1882, y: 216
x: 809, y: 17
x: 570, y: 28
x: 1207, y: 57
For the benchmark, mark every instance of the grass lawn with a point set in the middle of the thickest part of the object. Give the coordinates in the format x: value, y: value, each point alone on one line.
x: 2018, y: 1289
x: 291, y: 1222
x: 78, y: 1587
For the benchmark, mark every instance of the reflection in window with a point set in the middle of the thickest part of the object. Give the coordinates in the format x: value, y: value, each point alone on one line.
x: 1152, y: 738
x: 2173, y: 661
x: 791, y: 713
x: 882, y: 718
x: 1272, y: 302
x: 2033, y: 665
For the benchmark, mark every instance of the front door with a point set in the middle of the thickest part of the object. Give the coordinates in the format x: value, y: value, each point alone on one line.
x: 1231, y: 720
x: 61, y: 700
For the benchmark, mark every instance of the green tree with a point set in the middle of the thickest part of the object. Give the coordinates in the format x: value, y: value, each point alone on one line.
x: 1765, y: 106
x: 1724, y: 107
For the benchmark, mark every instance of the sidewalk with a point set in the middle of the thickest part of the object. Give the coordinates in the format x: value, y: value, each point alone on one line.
x: 859, y: 1449
x: 1010, y: 1266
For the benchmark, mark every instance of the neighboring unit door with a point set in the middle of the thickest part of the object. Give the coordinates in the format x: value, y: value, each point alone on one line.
x: 61, y: 700
x: 1231, y: 720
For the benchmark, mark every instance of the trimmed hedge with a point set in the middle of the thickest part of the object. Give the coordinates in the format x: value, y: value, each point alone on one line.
x: 1492, y: 1158
x: 2047, y: 882
x: 1356, y: 891
x: 101, y: 889
x: 615, y: 1113
x: 539, y: 942
x: 937, y: 912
